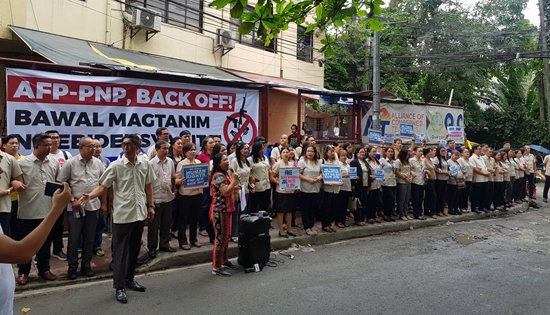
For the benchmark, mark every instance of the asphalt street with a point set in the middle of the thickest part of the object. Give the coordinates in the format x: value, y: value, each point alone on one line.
x: 491, y: 266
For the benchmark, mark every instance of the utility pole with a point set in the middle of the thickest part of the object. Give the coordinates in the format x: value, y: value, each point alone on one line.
x: 376, y: 81
x: 544, y: 47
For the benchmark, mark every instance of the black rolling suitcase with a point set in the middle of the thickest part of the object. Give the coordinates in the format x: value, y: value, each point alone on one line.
x: 254, y: 240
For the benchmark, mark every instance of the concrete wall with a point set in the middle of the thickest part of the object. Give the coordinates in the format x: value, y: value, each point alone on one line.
x: 102, y: 21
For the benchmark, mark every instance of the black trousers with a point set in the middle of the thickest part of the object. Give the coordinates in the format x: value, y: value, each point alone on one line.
x: 519, y: 188
x: 126, y: 246
x: 374, y: 203
x: 441, y: 197
x: 478, y: 191
x: 498, y: 196
x: 24, y: 228
x: 388, y: 200
x: 488, y: 196
x: 463, y: 195
x: 328, y: 208
x: 189, y: 207
x: 160, y: 226
x: 430, y: 198
x: 258, y: 201
x: 5, y: 219
x: 362, y: 194
x: 546, y: 186
x: 309, y: 203
x: 530, y: 180
x: 57, y: 233
x: 81, y: 233
x: 452, y: 198
x: 13, y: 218
x: 417, y: 197
x: 342, y: 206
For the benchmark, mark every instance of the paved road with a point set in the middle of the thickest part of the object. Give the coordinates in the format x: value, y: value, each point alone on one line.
x: 493, y: 266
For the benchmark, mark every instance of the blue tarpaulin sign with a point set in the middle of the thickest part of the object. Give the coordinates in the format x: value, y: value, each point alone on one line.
x: 332, y: 174
x: 195, y: 176
x: 353, y: 172
x: 289, y: 178
x: 375, y: 136
x: 406, y: 130
x: 379, y: 173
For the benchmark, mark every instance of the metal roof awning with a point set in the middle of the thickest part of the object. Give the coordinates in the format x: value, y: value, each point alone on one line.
x: 77, y: 52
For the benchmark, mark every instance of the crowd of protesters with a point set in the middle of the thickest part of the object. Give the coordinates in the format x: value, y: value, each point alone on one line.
x: 393, y: 182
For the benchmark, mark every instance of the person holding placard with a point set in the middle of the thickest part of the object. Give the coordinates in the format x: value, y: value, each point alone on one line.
x: 241, y: 166
x: 404, y: 179
x: 468, y: 171
x: 430, y: 196
x: 310, y: 186
x: 259, y: 177
x: 455, y: 177
x: 360, y: 184
x: 284, y: 199
x: 389, y: 184
x: 442, y: 171
x: 188, y: 201
x: 345, y: 191
x: 417, y: 184
x: 374, y: 204
x: 330, y: 192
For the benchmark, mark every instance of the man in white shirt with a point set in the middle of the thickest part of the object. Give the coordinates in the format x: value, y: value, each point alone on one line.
x: 276, y: 151
x: 57, y: 232
x: 34, y: 205
x: 530, y: 168
x: 10, y: 175
x: 163, y: 194
x: 162, y: 133
x: 131, y: 178
x: 480, y: 179
x: 82, y: 172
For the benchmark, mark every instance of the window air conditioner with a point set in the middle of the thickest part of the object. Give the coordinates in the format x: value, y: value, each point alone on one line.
x: 146, y: 19
x: 226, y: 38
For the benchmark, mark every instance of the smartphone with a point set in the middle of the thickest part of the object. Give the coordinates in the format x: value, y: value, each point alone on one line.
x: 51, y: 187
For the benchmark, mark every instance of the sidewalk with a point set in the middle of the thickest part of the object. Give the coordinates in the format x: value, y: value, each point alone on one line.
x: 204, y: 254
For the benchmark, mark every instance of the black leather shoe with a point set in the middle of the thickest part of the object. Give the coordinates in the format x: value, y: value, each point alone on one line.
x: 135, y: 286
x: 221, y: 272
x: 88, y: 272
x: 121, y: 296
x: 229, y: 265
x: 168, y: 250
x: 71, y: 275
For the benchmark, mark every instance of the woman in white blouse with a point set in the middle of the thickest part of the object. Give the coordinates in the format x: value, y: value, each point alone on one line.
x: 442, y: 171
x: 330, y: 192
x: 284, y: 201
x: 374, y: 197
x: 241, y: 166
x: 345, y: 191
x: 468, y: 171
x: 389, y: 184
x: 259, y: 179
x: 310, y: 187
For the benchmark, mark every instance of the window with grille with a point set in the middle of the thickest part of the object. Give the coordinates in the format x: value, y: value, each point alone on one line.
x: 304, y: 45
x: 187, y: 14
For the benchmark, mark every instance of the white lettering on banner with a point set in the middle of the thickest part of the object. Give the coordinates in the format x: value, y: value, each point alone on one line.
x: 110, y: 107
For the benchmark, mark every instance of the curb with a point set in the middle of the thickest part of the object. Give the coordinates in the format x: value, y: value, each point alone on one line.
x: 204, y: 253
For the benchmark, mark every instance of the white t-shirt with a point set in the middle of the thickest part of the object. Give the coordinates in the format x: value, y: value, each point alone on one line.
x: 60, y: 157
x: 7, y: 287
x: 529, y: 160
x: 546, y: 164
x: 475, y: 161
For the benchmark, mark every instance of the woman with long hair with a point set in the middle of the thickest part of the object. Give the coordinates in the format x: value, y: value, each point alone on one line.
x: 345, y: 191
x: 510, y: 193
x: 310, y: 186
x: 205, y: 227
x: 188, y: 201
x: 500, y: 185
x: 431, y: 195
x: 241, y: 166
x: 176, y: 155
x: 455, y: 176
x: 404, y: 179
x: 374, y: 204
x: 360, y: 185
x: 468, y: 171
x: 222, y: 189
x: 442, y: 171
x: 389, y: 184
x: 259, y: 179
x: 284, y: 200
x: 417, y: 184
x: 330, y: 192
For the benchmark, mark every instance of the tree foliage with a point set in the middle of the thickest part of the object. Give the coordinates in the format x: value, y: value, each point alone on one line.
x: 430, y: 47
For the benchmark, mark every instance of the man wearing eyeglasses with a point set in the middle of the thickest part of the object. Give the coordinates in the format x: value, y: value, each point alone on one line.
x: 163, y: 134
x: 82, y: 172
x: 37, y: 168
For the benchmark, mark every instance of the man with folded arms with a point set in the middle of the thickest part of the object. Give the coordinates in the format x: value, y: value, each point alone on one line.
x: 34, y: 205
x: 131, y: 178
x: 82, y: 172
